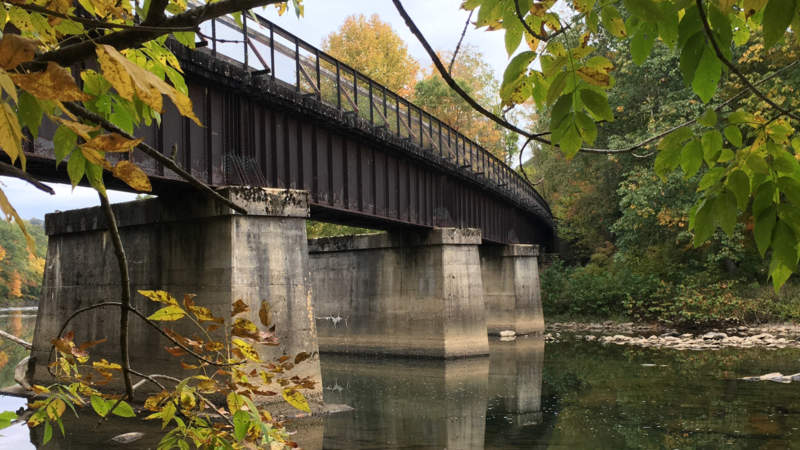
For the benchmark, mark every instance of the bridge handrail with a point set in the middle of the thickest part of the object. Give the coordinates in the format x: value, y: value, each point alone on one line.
x: 478, y: 160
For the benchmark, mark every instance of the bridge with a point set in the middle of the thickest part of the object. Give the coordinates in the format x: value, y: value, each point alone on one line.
x: 290, y: 133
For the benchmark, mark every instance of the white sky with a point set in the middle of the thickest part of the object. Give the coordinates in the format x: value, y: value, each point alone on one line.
x: 441, y: 21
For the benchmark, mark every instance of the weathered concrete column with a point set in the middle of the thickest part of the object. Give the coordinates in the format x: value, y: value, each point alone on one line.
x: 187, y: 245
x: 515, y: 379
x: 511, y: 288
x: 413, y: 294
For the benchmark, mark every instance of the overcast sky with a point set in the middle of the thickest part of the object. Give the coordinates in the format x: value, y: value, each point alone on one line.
x: 441, y: 21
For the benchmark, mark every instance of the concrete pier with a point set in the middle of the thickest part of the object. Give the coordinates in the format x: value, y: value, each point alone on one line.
x: 410, y: 294
x: 187, y: 245
x: 511, y: 289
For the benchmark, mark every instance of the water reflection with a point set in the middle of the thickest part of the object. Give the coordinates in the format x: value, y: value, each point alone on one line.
x: 515, y: 379
x: 401, y: 403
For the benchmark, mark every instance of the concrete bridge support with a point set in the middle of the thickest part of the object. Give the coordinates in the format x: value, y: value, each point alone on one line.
x: 511, y: 288
x: 411, y: 293
x: 185, y: 245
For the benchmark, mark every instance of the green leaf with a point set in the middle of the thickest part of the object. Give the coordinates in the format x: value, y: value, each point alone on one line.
x: 513, y: 35
x: 733, y: 135
x: 642, y: 42
x: 739, y: 183
x: 790, y: 187
x: 778, y: 15
x: 64, y: 141
x: 784, y: 254
x: 76, y: 167
x: 186, y: 38
x: 667, y: 160
x: 725, y: 212
x: 691, y: 55
x: 691, y: 157
x: 597, y: 104
x: 94, y: 174
x: 757, y: 164
x: 645, y: 9
x: 586, y: 127
x: 712, y: 146
x: 784, y: 162
x: 48, y: 433
x: 571, y: 141
x: 30, y: 112
x: 711, y: 178
x: 6, y: 417
x: 703, y: 222
x: 517, y: 66
x: 764, y: 197
x: 707, y: 75
x: 99, y: 405
x: 123, y: 410
x: 726, y: 155
x: 241, y: 423
x: 762, y: 229
x: 556, y: 87
x: 168, y: 313
x: 560, y: 111
x: 612, y: 22
x: 709, y: 118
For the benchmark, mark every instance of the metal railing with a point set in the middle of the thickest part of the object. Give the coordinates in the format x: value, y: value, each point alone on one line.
x: 266, y: 49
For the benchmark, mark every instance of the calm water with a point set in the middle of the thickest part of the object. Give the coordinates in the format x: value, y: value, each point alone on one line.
x: 526, y: 395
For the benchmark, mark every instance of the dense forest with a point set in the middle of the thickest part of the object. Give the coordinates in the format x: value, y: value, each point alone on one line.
x: 626, y: 250
x: 21, y: 266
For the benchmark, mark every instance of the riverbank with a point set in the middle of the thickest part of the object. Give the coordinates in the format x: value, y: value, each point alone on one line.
x: 769, y: 336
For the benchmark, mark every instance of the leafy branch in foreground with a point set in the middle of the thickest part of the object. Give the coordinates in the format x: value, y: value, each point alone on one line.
x: 749, y: 156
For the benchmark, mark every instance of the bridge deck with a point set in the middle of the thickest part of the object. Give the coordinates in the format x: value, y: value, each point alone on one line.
x: 368, y: 156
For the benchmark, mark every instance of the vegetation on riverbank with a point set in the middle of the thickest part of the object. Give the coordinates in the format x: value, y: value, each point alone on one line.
x: 21, y: 268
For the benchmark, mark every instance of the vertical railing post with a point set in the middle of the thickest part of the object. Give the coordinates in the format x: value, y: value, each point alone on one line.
x: 214, y: 38
x: 355, y: 91
x: 272, y: 50
x: 244, y: 39
x: 297, y: 62
x: 371, y: 112
x: 319, y: 85
x: 385, y: 111
x: 338, y: 86
x: 421, y: 135
x: 397, y: 113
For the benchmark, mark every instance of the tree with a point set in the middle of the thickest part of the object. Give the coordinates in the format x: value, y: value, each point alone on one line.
x: 751, y: 159
x: 126, y: 70
x: 372, y: 47
x: 475, y: 76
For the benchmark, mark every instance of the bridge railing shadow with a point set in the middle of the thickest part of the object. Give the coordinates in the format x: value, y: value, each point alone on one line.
x: 267, y: 50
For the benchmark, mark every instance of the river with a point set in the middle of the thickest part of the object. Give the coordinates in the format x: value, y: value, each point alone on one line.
x: 527, y: 394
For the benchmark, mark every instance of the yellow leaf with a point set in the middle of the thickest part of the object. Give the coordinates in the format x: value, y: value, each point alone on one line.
x: 11, y: 134
x: 78, y: 128
x: 247, y: 350
x: 55, y: 83
x: 55, y: 409
x: 8, y: 86
x: 168, y: 313
x: 244, y: 328
x: 9, y: 211
x: 112, y: 142
x: 15, y: 50
x: 159, y: 296
x: 103, y: 364
x: 296, y: 399
x: 94, y: 157
x: 39, y: 389
x: 128, y: 79
x: 597, y: 77
x: 152, y: 402
x: 235, y: 402
x: 133, y: 175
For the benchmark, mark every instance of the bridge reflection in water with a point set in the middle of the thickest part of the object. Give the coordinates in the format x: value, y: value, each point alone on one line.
x: 398, y: 403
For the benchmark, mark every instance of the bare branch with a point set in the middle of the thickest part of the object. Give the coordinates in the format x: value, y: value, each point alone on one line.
x: 125, y: 292
x: 15, y: 339
x: 734, y: 69
x: 458, y: 46
x: 12, y: 171
x: 155, y: 154
x: 155, y: 12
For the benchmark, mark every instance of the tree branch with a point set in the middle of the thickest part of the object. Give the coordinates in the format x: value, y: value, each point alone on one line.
x: 530, y: 31
x: 85, y: 114
x: 12, y: 171
x: 93, y: 23
x: 71, y: 54
x: 458, y: 46
x: 734, y: 69
x: 15, y: 339
x: 125, y: 292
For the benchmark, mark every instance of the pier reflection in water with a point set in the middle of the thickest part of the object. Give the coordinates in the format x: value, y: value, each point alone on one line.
x: 403, y: 403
